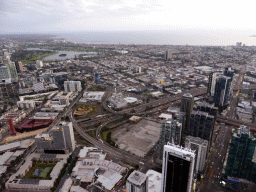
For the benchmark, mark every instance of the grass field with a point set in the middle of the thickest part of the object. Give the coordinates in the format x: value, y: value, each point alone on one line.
x: 43, y: 169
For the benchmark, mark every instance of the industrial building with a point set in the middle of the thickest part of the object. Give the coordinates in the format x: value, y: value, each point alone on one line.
x: 137, y: 182
x: 117, y: 100
x: 177, y: 169
x: 200, y: 146
x: 33, y: 124
x: 93, y: 95
x: 108, y: 173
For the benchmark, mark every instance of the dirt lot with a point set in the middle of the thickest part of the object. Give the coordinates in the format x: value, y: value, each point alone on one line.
x: 23, y: 135
x: 138, y: 138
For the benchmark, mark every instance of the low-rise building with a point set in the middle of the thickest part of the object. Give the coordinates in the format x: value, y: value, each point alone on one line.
x: 27, y: 104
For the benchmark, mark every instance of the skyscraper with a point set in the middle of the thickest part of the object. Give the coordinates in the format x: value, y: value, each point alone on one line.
x: 187, y: 104
x: 222, y: 91
x: 200, y: 146
x: 211, y: 84
x: 168, y: 54
x: 178, y: 169
x: 171, y: 132
x: 211, y: 110
x: 241, y: 161
x: 201, y: 125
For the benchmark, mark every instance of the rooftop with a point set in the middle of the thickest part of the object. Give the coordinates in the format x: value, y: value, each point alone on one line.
x: 137, y: 178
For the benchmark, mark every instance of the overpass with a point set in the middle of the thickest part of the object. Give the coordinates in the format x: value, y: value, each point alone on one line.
x: 236, y: 123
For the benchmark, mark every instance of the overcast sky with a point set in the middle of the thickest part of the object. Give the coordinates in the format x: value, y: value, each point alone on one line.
x: 115, y: 15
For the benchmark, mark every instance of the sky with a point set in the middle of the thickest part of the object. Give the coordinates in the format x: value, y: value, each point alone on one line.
x: 39, y: 16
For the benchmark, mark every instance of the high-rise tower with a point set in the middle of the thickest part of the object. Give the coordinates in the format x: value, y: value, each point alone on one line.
x: 187, y: 103
x: 178, y: 169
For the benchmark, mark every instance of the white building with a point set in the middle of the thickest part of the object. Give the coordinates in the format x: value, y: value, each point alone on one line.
x: 93, y: 95
x: 118, y: 101
x: 74, y: 86
x: 67, y: 185
x: 179, y: 177
x: 69, y: 135
x: 137, y: 69
x: 27, y: 104
x: 137, y: 182
x: 154, y: 181
x: 39, y: 64
x: 200, y: 146
x: 168, y: 54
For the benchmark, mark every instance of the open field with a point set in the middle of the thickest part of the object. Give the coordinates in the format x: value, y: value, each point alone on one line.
x: 86, y: 110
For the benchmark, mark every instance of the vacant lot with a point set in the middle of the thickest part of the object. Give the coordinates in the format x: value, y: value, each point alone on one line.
x: 138, y: 138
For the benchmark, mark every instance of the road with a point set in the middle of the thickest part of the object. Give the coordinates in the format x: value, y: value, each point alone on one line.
x: 214, y: 166
x: 235, y: 96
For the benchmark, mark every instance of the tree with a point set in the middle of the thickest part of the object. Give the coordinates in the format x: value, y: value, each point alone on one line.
x: 136, y: 167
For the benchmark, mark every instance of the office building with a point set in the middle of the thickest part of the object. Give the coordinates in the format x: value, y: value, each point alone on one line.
x: 211, y: 84
x: 211, y: 110
x: 241, y: 161
x: 61, y: 138
x: 39, y: 64
x: 19, y: 66
x: 239, y: 44
x: 9, y: 89
x: 168, y: 54
x: 43, y: 142
x: 97, y: 77
x: 222, y: 91
x: 58, y: 137
x: 137, y: 182
x: 4, y: 72
x: 12, y: 69
x: 200, y: 146
x: 187, y: 104
x: 177, y: 169
x: 74, y: 86
x: 137, y: 69
x: 201, y: 125
x: 228, y: 72
x: 69, y: 134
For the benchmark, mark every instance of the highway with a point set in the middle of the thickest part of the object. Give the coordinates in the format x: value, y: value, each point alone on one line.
x: 105, y: 147
x: 140, y: 110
